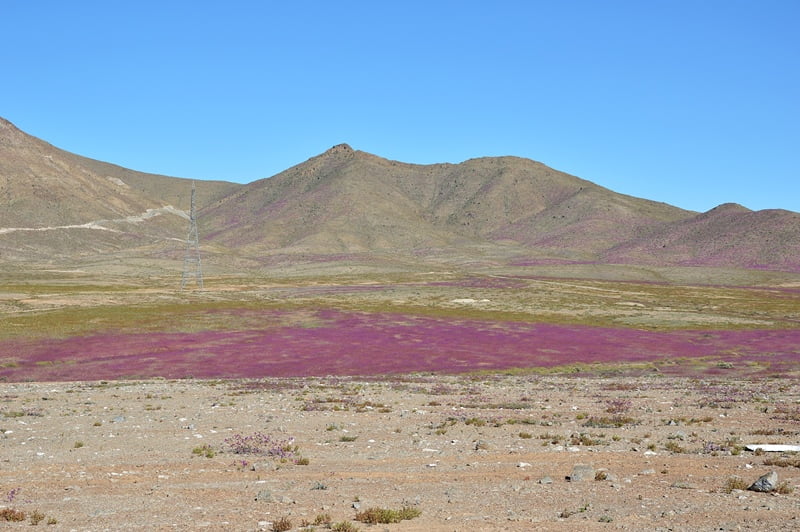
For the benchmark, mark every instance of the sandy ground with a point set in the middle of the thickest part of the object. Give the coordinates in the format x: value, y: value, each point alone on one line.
x: 488, y: 453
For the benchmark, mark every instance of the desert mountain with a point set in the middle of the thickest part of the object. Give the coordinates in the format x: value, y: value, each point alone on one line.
x: 57, y: 206
x: 350, y: 201
x: 729, y: 234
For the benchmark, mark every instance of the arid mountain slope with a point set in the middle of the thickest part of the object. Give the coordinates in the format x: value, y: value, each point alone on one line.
x: 726, y: 235
x: 57, y: 206
x: 349, y: 201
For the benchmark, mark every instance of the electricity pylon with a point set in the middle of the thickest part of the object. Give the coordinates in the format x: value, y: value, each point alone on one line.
x: 191, y: 260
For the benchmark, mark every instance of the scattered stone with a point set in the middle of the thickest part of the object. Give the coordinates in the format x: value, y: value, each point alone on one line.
x: 545, y: 480
x: 765, y: 483
x: 647, y: 472
x: 581, y: 472
x: 264, y: 496
x: 482, y: 445
x: 523, y: 464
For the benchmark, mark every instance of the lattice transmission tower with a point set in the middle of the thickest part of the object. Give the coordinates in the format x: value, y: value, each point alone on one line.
x: 191, y: 260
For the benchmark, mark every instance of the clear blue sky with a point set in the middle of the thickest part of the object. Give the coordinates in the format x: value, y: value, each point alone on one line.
x: 691, y: 102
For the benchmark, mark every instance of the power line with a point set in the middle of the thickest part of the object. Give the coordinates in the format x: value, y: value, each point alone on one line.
x: 191, y: 260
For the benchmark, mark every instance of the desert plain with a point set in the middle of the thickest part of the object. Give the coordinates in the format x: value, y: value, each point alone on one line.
x: 538, y: 398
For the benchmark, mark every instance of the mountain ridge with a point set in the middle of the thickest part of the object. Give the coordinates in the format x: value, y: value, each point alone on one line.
x: 59, y: 206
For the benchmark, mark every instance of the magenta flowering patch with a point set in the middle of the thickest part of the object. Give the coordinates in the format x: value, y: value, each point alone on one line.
x: 332, y: 342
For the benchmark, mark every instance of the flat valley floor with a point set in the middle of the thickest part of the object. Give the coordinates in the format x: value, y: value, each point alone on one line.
x: 553, y: 398
x: 466, y: 453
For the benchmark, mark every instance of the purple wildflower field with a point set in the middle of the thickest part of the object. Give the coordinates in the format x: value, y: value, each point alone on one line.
x: 337, y: 342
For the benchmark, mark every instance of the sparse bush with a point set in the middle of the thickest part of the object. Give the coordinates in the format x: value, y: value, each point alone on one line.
x: 609, y: 422
x: 344, y: 526
x: 375, y: 516
x: 12, y: 515
x: 323, y: 519
x: 783, y: 461
x: 525, y: 435
x: 784, y: 488
x: 282, y: 525
x: 674, y: 447
x: 347, y: 439
x: 204, y: 450
x: 261, y: 444
x: 735, y: 483
x: 618, y: 406
x: 36, y: 517
x: 584, y: 439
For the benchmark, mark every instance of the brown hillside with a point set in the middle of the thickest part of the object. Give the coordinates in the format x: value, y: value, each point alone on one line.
x: 350, y: 201
x: 58, y: 207
x: 726, y: 235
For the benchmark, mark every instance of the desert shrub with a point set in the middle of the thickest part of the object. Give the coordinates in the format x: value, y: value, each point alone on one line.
x: 674, y: 447
x: 525, y: 435
x: 735, y: 483
x: 783, y: 461
x: 12, y: 515
x: 609, y: 422
x: 784, y: 488
x: 323, y: 519
x: 618, y: 406
x: 261, y: 444
x: 584, y: 439
x: 36, y: 517
x: 282, y: 525
x: 204, y: 450
x: 376, y: 515
x: 787, y: 412
x: 475, y: 421
x: 344, y: 526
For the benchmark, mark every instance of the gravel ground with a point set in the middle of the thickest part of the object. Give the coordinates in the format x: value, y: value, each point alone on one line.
x: 468, y: 453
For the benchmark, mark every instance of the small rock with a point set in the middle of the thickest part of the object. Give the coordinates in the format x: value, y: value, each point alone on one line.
x: 647, y: 472
x: 765, y: 483
x: 581, y: 472
x: 523, y: 464
x: 264, y: 495
x: 545, y: 480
